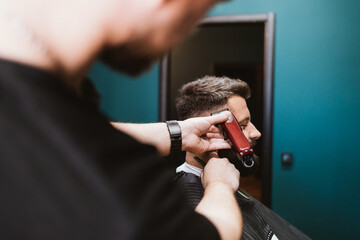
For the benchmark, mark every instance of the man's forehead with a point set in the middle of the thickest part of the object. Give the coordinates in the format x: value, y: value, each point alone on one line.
x: 238, y: 107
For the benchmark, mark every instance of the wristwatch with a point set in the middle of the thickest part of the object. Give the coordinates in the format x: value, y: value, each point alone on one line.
x: 175, y: 136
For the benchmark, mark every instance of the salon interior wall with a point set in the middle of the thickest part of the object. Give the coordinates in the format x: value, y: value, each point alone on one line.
x: 316, y: 110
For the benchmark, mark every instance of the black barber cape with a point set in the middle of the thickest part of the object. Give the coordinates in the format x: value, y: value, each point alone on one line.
x: 259, y: 222
x: 66, y: 173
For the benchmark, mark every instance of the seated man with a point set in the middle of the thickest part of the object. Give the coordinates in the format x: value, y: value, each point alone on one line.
x: 201, y: 98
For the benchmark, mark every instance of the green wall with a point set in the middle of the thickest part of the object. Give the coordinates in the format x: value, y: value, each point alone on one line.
x: 316, y: 110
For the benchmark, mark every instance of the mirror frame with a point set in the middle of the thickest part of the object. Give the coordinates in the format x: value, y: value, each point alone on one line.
x: 269, y: 35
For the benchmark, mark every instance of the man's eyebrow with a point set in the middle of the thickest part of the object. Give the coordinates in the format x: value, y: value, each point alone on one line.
x: 247, y: 119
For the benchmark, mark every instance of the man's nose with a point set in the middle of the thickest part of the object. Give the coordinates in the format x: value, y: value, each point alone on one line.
x: 254, y: 134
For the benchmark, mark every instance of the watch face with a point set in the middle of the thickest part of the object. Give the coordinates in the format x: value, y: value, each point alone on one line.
x: 175, y: 136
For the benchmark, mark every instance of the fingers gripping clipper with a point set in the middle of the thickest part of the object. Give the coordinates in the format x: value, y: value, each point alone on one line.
x: 232, y: 130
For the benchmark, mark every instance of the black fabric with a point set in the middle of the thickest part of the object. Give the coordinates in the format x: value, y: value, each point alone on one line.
x: 260, y: 223
x: 66, y: 173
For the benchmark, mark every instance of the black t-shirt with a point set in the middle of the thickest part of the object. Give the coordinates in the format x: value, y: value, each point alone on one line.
x: 66, y: 173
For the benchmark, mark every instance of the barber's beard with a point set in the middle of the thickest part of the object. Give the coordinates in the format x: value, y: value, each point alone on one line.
x: 131, y: 59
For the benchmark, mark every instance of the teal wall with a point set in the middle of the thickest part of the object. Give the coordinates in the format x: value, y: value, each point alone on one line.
x: 316, y: 110
x: 127, y: 99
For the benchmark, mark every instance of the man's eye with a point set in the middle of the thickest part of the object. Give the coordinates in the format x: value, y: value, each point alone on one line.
x: 243, y: 126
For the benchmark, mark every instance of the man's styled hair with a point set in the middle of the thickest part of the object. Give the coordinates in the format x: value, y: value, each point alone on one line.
x: 208, y: 94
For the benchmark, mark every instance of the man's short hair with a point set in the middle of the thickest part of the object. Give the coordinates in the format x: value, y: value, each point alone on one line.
x: 208, y: 94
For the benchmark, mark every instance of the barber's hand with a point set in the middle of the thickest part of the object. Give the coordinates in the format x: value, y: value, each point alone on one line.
x: 220, y: 171
x: 199, y: 134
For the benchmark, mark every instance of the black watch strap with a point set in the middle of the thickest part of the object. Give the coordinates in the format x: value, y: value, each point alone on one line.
x: 175, y: 135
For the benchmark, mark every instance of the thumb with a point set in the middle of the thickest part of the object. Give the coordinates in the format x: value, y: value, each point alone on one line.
x: 218, y: 118
x: 213, y: 154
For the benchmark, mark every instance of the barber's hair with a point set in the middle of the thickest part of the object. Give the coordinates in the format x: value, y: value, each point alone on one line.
x: 208, y: 94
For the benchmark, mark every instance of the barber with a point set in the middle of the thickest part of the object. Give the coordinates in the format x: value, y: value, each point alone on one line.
x: 65, y: 171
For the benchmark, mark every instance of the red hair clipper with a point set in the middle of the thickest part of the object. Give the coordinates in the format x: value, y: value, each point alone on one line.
x: 232, y: 130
